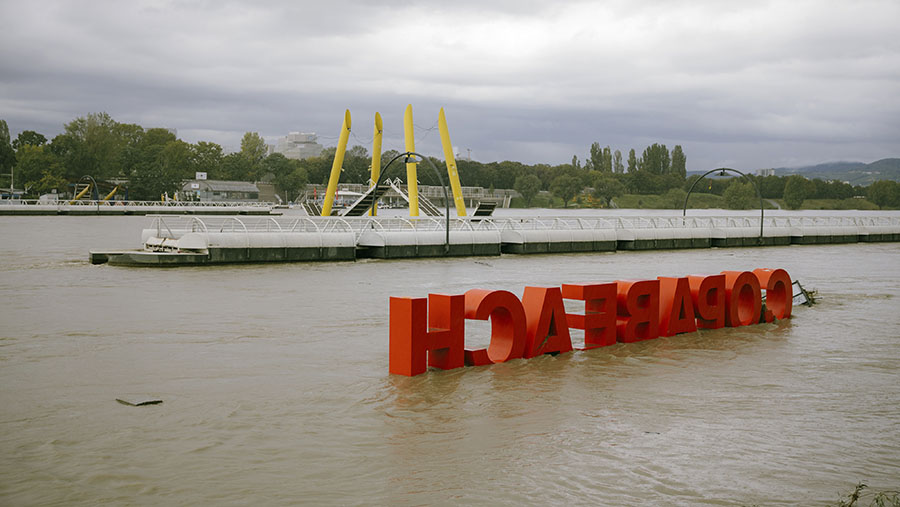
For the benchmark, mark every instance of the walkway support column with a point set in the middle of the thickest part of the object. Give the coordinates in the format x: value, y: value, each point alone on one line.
x: 336, y: 166
x: 451, y: 165
x: 411, y: 182
x: 376, y: 159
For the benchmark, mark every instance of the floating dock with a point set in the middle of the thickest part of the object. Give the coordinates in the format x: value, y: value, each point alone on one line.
x: 22, y: 207
x: 180, y: 241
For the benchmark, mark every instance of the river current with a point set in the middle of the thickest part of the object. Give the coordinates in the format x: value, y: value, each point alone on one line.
x: 275, y: 385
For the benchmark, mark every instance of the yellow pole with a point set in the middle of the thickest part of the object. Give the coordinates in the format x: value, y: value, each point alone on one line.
x: 451, y: 165
x: 81, y: 194
x: 336, y: 166
x: 411, y: 182
x: 376, y: 159
x: 110, y: 194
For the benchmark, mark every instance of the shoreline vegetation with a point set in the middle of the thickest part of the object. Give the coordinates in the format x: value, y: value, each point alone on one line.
x: 154, y: 162
x: 697, y: 201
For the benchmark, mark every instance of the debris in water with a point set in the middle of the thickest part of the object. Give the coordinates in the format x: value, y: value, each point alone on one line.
x: 140, y: 403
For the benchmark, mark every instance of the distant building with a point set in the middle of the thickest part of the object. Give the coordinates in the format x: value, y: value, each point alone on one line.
x: 218, y: 190
x: 765, y: 172
x: 299, y: 145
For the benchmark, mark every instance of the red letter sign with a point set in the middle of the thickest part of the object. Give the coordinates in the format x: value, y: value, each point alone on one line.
x: 507, y: 325
x: 638, y: 310
x: 742, y: 298
x: 676, y: 311
x: 779, y: 295
x: 599, y: 319
x: 411, y: 339
x: 708, y: 296
x: 546, y: 322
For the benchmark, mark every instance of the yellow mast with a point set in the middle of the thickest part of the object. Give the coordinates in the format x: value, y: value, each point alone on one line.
x: 81, y: 194
x: 111, y: 194
x: 451, y: 165
x: 411, y: 181
x: 376, y: 159
x: 336, y: 166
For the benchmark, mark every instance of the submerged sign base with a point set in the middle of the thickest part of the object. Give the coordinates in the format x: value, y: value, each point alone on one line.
x: 431, y: 331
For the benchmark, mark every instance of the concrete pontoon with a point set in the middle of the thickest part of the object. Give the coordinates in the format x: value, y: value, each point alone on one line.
x: 173, y: 241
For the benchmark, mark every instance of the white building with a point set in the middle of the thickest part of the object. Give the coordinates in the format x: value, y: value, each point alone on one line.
x: 299, y: 145
x: 219, y: 190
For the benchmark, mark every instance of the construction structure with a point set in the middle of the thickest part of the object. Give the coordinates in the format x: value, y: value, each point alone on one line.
x: 368, y: 202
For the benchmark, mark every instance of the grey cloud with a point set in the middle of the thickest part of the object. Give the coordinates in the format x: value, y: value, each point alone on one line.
x: 752, y: 85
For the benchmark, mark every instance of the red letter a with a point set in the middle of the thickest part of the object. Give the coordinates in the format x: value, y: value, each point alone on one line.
x: 676, y: 311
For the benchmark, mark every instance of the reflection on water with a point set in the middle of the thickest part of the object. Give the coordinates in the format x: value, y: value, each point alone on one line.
x: 275, y: 385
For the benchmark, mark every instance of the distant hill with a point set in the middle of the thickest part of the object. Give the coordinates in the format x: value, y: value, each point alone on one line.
x: 855, y: 173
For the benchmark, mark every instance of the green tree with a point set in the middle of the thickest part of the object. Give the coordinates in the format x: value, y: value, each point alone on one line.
x: 160, y: 168
x: 528, y: 185
x: 679, y: 162
x: 618, y: 168
x: 595, y: 159
x: 275, y: 165
x: 566, y: 187
x: 607, y: 160
x: 50, y: 181
x: 235, y: 167
x: 357, y: 168
x: 884, y: 193
x: 796, y: 190
x: 772, y: 187
x: 208, y: 158
x: 606, y: 187
x: 633, y: 162
x: 655, y: 159
x: 253, y: 149
x: 37, y: 163
x: 28, y: 137
x: 740, y: 195
x: 575, y: 163
x: 291, y: 183
x: 7, y: 154
x: 95, y: 146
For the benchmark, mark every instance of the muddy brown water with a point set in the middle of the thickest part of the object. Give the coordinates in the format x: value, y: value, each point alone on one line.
x: 275, y: 387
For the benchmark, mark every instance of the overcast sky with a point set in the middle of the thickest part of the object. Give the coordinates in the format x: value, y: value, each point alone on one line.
x: 737, y: 84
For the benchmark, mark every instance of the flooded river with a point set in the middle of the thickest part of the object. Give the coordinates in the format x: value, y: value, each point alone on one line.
x: 275, y: 385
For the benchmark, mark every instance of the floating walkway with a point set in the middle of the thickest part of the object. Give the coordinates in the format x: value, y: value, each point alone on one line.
x: 119, y: 208
x: 177, y: 241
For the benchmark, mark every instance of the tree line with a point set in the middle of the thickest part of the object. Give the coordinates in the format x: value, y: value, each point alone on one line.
x: 154, y: 161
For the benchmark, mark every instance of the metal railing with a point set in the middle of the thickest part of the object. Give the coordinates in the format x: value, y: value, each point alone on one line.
x: 306, y: 224
x: 95, y: 203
